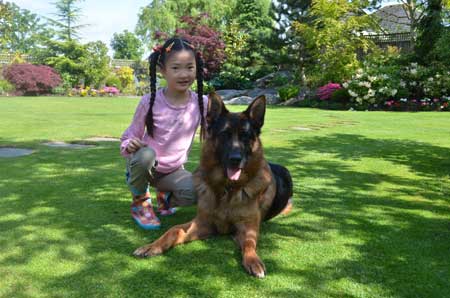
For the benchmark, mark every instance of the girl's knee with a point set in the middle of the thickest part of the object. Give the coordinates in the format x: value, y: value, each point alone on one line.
x: 146, y: 157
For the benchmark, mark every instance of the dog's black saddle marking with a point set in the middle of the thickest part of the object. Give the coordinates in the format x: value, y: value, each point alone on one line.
x: 284, y: 189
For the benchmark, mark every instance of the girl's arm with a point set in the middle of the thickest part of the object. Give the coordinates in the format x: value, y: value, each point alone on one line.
x: 136, y: 129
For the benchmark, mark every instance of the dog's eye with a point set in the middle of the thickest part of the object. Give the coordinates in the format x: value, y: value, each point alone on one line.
x: 245, y: 134
x: 225, y: 133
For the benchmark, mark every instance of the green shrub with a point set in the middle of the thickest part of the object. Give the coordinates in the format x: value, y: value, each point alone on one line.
x: 113, y: 81
x: 340, y: 95
x: 5, y: 87
x: 288, y: 92
x: 207, y: 87
x: 129, y: 90
x: 279, y: 80
x: 68, y: 81
x: 232, y: 77
x: 59, y: 90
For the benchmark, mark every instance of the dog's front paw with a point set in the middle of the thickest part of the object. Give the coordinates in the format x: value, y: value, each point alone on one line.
x: 254, y: 266
x: 147, y: 251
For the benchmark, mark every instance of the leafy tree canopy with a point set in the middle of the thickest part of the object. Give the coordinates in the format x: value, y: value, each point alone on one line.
x: 126, y: 46
x: 165, y: 16
x: 22, y: 30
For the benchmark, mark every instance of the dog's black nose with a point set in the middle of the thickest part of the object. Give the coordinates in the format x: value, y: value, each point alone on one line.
x: 235, y: 158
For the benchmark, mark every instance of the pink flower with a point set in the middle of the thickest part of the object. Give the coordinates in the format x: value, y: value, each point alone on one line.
x: 326, y: 91
x: 111, y: 90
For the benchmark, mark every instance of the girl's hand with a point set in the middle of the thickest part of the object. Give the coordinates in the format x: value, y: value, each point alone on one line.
x: 134, y: 145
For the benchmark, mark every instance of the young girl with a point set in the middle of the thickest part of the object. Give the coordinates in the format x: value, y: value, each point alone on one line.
x: 157, y: 143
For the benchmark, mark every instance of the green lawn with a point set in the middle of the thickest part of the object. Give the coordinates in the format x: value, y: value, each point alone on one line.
x: 371, y: 217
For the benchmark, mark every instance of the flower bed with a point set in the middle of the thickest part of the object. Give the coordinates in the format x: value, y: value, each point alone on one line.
x: 383, y: 85
x: 84, y: 92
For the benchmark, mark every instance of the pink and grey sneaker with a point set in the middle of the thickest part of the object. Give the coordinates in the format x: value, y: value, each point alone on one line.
x: 143, y: 214
x: 163, y: 199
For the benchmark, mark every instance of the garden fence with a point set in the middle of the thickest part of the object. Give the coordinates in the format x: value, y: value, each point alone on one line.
x: 402, y: 41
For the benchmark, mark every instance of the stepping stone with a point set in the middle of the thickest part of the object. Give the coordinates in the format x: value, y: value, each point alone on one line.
x: 58, y: 144
x: 301, y: 128
x: 103, y: 139
x: 14, y: 152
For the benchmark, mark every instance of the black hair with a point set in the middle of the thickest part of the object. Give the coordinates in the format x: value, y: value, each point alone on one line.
x: 158, y: 58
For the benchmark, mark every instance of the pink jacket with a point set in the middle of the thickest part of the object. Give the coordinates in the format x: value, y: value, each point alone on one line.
x: 173, y: 129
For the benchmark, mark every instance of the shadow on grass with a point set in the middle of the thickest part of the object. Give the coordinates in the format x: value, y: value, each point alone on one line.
x: 71, y: 207
x: 400, y: 242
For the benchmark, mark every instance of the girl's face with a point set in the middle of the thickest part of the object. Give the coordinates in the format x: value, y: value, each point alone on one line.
x: 180, y: 70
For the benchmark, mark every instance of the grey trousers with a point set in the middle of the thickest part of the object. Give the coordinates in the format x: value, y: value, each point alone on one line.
x: 141, y: 173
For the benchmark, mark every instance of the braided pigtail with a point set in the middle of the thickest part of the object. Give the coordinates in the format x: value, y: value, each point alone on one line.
x: 154, y: 57
x: 199, y: 65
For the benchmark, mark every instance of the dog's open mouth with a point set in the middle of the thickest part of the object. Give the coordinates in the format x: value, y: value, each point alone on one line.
x: 234, y: 173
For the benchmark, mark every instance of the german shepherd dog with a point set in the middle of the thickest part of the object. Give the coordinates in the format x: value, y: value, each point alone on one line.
x: 236, y: 187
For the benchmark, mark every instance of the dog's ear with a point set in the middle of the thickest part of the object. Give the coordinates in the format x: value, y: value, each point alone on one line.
x: 216, y: 108
x: 256, y: 111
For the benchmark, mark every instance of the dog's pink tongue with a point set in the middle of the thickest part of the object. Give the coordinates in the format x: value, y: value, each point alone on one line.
x: 234, y: 174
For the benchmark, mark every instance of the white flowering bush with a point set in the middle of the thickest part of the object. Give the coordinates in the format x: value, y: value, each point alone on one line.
x: 384, y: 81
x: 437, y: 85
x: 412, y: 78
x: 370, y: 85
x: 391, y: 81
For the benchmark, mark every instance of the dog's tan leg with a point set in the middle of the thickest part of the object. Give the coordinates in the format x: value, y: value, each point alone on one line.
x: 246, y: 237
x: 288, y: 208
x: 193, y: 230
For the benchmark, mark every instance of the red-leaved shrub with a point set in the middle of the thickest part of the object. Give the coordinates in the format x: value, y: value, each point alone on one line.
x: 32, y: 79
x: 204, y: 38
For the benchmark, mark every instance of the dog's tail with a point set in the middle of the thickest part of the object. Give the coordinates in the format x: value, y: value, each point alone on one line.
x: 284, y: 190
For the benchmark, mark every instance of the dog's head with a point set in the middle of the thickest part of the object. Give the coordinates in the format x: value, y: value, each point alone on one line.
x: 235, y: 136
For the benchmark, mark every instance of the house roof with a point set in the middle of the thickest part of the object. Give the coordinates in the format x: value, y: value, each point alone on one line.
x: 393, y: 18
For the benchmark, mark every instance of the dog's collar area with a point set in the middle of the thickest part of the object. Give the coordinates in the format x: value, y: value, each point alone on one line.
x: 228, y: 189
